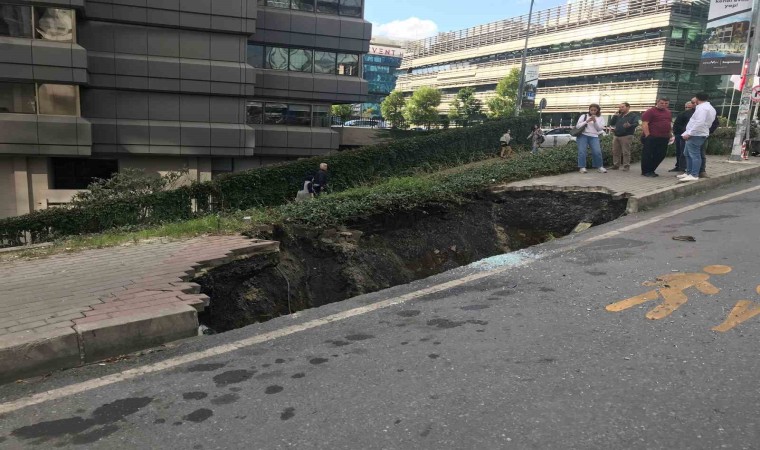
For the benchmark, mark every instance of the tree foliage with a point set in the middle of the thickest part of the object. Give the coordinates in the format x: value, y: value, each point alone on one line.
x: 503, y: 104
x: 422, y: 107
x: 465, y: 107
x: 342, y: 111
x: 392, y: 108
x: 127, y: 184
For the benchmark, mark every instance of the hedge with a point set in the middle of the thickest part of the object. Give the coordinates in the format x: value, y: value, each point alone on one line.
x: 267, y: 186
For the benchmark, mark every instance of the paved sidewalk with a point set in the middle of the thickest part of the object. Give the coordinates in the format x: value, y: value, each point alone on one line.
x: 642, y: 192
x: 72, y: 309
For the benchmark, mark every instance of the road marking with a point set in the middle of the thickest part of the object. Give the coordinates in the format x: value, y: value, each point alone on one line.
x: 84, y: 386
x: 671, y: 288
x: 742, y: 312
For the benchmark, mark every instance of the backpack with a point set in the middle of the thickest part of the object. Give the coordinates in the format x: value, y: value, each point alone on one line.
x: 715, y: 125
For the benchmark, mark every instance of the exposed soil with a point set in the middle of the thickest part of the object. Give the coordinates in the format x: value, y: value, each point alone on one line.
x: 385, y: 250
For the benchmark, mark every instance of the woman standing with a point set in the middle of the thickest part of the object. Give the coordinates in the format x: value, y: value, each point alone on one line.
x: 594, y: 126
x: 536, y: 137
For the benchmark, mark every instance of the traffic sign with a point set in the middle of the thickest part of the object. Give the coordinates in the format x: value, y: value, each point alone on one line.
x: 755, y: 96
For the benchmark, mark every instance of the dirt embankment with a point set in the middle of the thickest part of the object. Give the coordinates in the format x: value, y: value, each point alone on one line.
x: 377, y: 252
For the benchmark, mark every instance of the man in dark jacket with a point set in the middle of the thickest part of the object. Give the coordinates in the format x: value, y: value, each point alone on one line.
x: 625, y: 123
x: 679, y: 127
x: 320, y: 180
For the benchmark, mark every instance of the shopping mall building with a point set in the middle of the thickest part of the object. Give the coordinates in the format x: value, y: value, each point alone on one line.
x: 88, y: 88
x: 587, y: 51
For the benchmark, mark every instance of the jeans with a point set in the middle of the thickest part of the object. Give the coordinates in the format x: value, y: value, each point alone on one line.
x: 693, y: 151
x: 680, y: 156
x: 703, y: 168
x: 596, y: 151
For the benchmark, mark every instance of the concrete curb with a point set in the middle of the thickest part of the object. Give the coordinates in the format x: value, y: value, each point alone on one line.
x: 656, y: 198
x: 22, y: 355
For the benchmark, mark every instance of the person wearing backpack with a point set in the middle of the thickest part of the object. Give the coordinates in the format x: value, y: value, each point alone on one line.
x: 592, y: 125
x: 536, y: 137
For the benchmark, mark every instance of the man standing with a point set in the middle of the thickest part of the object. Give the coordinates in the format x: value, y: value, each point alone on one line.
x: 697, y: 131
x: 679, y: 127
x: 625, y: 123
x: 657, y: 127
x: 320, y: 180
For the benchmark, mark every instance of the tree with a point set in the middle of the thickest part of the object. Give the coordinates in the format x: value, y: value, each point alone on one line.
x: 369, y: 113
x: 392, y: 108
x: 126, y: 184
x: 465, y: 107
x: 342, y: 111
x: 422, y: 107
x: 503, y: 104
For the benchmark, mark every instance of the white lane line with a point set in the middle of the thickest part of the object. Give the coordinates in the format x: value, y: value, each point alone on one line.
x: 73, y: 389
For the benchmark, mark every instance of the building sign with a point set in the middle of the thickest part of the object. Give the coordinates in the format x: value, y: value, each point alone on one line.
x: 386, y: 51
x: 531, y: 86
x: 728, y: 28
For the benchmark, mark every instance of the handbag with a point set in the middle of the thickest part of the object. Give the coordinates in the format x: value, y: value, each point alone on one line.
x: 575, y: 132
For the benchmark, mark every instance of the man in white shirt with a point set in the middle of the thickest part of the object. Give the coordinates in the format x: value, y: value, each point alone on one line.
x: 697, y: 131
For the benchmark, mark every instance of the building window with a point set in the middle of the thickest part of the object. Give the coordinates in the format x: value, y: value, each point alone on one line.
x: 275, y: 3
x: 348, y: 64
x: 303, y: 60
x: 15, y: 21
x: 274, y: 113
x: 303, y: 5
x: 288, y: 114
x: 327, y: 6
x: 58, y: 100
x: 256, y: 56
x: 276, y: 58
x: 321, y: 116
x: 352, y: 8
x: 48, y: 99
x: 298, y: 115
x: 18, y: 98
x: 300, y: 60
x: 54, y: 24
x: 255, y: 113
x: 50, y: 24
x: 324, y: 62
x: 79, y: 173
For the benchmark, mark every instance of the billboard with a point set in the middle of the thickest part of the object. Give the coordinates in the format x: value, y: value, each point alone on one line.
x: 728, y: 28
x: 530, y: 87
x: 382, y: 50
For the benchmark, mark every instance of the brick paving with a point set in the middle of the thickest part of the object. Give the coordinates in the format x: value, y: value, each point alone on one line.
x: 641, y: 191
x: 60, y: 294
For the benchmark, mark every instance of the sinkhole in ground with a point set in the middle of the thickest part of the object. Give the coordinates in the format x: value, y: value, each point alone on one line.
x: 385, y: 250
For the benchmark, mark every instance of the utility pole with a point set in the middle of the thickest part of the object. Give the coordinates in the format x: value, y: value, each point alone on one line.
x: 743, y: 117
x: 521, y: 88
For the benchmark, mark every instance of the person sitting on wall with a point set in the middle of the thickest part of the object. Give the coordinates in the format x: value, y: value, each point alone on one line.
x: 504, y: 141
x: 320, y: 180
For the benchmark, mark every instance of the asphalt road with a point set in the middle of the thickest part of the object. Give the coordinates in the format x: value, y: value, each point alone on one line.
x: 524, y: 355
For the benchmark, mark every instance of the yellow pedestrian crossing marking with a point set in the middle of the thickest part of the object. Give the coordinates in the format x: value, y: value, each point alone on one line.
x: 671, y: 289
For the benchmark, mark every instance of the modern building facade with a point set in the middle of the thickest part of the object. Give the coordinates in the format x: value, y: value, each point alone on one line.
x: 587, y: 51
x: 90, y: 87
x: 381, y: 66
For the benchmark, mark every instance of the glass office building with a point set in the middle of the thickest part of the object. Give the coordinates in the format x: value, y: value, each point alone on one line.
x: 587, y: 51
x: 381, y: 66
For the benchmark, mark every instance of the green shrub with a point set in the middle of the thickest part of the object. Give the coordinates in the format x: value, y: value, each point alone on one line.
x: 268, y: 186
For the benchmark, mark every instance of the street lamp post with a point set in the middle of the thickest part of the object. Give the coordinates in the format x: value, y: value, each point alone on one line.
x: 521, y: 85
x: 743, y: 115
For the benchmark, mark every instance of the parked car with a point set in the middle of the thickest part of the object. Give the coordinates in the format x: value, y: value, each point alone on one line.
x: 363, y: 123
x: 557, y: 137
